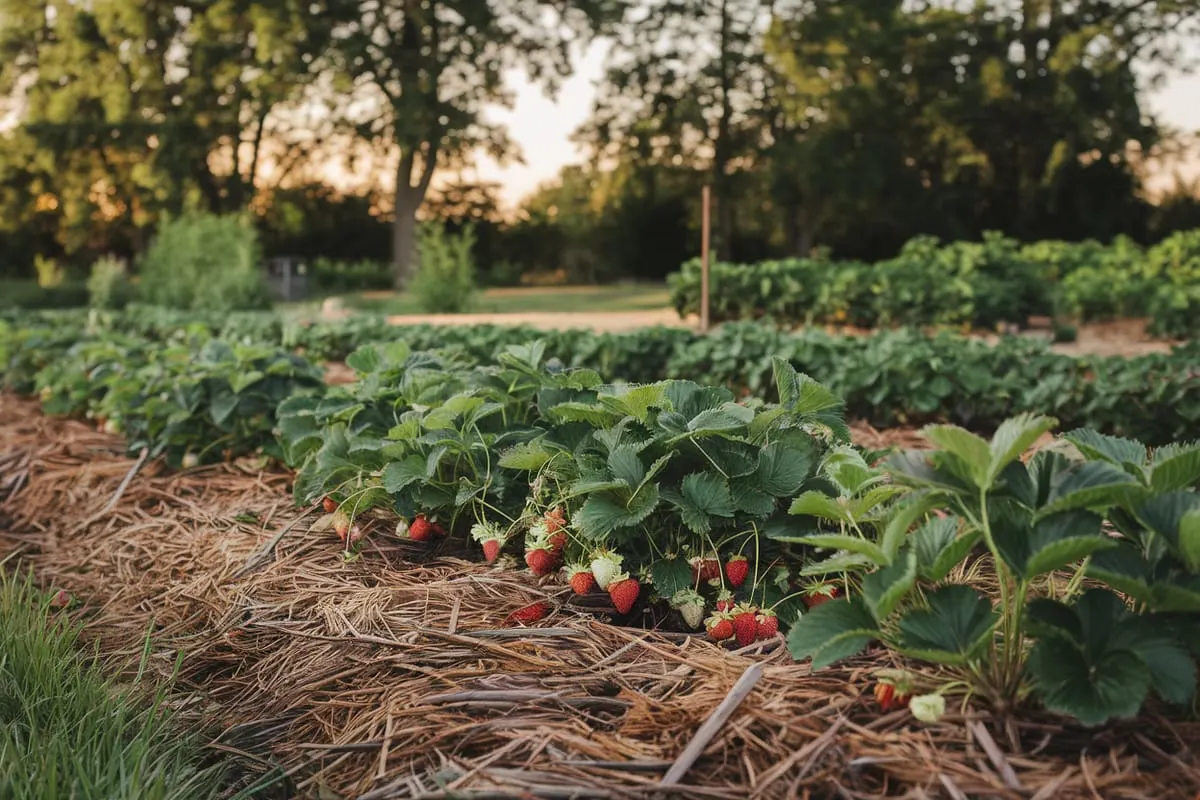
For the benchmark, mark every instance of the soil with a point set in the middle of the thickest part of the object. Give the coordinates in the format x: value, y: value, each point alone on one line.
x: 393, y: 674
x: 1119, y: 338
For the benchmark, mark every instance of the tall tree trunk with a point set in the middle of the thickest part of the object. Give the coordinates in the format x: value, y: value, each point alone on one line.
x: 409, y: 197
x: 404, y: 236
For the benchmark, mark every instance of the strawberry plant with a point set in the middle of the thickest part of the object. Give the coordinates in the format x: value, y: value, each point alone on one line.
x: 1104, y: 509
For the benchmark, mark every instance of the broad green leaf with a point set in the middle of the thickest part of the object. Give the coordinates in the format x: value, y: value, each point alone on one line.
x: 408, y: 428
x: 749, y: 499
x: 1093, y: 691
x: 1175, y: 467
x: 1102, y: 447
x: 636, y: 401
x: 939, y: 547
x: 704, y: 496
x: 732, y: 457
x: 602, y: 514
x: 443, y: 416
x: 1165, y: 513
x: 1176, y: 594
x: 916, y: 468
x: 1189, y: 539
x: 1123, y: 568
x: 904, y: 516
x: 782, y: 469
x: 1014, y: 436
x: 842, y: 562
x: 528, y: 456
x: 816, y: 504
x: 971, y: 450
x: 728, y: 417
x: 871, y: 504
x: 1094, y: 484
x: 670, y: 575
x: 399, y: 474
x: 1172, y: 670
x: 1050, y: 543
x: 847, y: 468
x: 364, y: 360
x: 626, y: 466
x: 957, y: 625
x: 832, y: 631
x: 223, y: 406
x: 886, y: 587
x: 834, y: 541
x: 576, y: 411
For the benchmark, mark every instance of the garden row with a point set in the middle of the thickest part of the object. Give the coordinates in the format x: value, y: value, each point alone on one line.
x: 964, y: 284
x: 682, y: 501
x: 888, y: 378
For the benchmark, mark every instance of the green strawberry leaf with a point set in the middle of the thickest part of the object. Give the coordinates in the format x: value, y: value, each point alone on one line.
x: 831, y: 632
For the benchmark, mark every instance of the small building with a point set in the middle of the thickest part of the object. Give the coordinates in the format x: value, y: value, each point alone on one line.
x: 287, y: 278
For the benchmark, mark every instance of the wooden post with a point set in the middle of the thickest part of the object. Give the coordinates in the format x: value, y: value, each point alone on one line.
x: 704, y: 236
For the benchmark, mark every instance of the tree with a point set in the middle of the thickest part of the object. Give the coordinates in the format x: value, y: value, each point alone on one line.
x: 682, y: 86
x: 424, y: 71
x: 133, y: 108
x: 1015, y: 116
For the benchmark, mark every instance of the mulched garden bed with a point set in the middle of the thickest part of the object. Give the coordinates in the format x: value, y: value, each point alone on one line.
x: 395, y: 675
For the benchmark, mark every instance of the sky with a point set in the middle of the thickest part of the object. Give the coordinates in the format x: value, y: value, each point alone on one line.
x: 542, y: 127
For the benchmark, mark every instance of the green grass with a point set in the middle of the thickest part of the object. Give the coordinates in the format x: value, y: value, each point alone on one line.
x: 624, y: 297
x: 68, y: 731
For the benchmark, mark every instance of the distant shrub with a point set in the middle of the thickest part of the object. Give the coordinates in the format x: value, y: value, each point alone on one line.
x: 445, y: 279
x: 49, y: 272
x: 1172, y: 270
x: 108, y: 286
x: 204, y: 261
x: 330, y: 276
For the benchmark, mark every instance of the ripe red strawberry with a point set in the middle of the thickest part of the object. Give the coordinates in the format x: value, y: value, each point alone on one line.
x: 745, y: 627
x: 768, y: 624
x: 582, y: 581
x: 720, y: 627
x: 822, y: 595
x: 557, y: 540
x: 541, y: 561
x: 530, y: 613
x: 705, y: 569
x: 341, y: 523
x: 737, y: 568
x: 329, y: 504
x: 491, y: 550
x: 420, y: 529
x: 888, y: 699
x: 624, y: 593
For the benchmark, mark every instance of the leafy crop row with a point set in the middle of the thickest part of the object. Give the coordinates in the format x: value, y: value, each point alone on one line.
x: 191, y: 398
x: 964, y: 284
x: 1093, y: 545
x: 888, y: 378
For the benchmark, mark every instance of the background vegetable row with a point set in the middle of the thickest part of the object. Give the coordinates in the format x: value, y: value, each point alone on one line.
x: 971, y: 284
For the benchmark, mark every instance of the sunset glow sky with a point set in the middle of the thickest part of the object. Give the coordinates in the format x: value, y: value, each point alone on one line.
x: 542, y: 127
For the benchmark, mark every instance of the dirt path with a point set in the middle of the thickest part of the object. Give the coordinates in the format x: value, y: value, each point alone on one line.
x: 1121, y: 338
x: 607, y: 322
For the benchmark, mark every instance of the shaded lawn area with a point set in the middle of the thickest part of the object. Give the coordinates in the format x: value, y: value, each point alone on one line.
x: 622, y: 297
x: 68, y: 730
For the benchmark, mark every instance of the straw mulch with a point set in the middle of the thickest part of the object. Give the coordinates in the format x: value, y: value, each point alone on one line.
x: 395, y: 676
